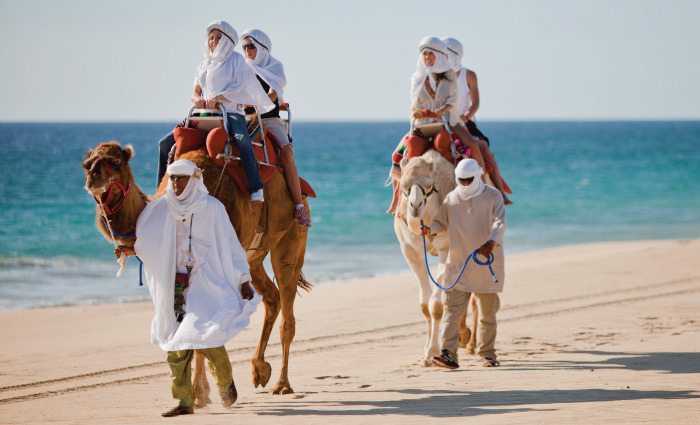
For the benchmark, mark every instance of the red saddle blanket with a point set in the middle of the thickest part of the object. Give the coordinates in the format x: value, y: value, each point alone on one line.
x: 214, y: 143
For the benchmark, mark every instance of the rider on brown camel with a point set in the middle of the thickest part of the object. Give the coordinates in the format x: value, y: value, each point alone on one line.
x: 270, y: 72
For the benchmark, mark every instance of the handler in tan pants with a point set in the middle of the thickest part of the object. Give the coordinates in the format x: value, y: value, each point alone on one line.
x: 475, y: 218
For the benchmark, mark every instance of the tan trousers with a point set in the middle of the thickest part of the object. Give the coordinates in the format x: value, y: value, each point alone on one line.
x: 456, y: 302
x: 181, y: 372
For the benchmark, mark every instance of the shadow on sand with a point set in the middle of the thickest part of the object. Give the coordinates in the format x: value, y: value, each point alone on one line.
x: 450, y: 403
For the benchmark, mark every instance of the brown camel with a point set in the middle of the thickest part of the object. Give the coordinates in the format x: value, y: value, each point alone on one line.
x: 282, y: 237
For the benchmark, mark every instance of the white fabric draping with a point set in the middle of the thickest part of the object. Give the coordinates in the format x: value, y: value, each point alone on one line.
x: 424, y: 71
x: 224, y: 72
x: 265, y: 65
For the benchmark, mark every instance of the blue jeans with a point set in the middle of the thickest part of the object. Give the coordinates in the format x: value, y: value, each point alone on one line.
x: 239, y: 134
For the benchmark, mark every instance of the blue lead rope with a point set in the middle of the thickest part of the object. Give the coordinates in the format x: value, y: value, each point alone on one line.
x: 473, y: 256
x: 104, y: 220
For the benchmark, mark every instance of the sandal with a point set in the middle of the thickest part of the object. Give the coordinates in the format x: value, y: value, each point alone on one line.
x: 490, y: 363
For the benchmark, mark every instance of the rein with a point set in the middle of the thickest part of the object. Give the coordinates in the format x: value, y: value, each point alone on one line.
x: 472, y: 256
x: 112, y: 182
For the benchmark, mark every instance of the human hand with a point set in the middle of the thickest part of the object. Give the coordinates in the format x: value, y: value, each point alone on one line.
x: 127, y: 250
x: 212, y: 104
x: 486, y: 249
x: 424, y: 230
x: 465, y: 117
x: 200, y: 103
x: 246, y: 291
x: 417, y: 115
x: 439, y: 113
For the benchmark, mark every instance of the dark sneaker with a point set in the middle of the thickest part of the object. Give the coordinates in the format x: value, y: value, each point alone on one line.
x: 445, y: 360
x: 301, y: 216
x: 177, y: 411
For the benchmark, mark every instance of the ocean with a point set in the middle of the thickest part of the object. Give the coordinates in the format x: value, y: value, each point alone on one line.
x: 573, y: 182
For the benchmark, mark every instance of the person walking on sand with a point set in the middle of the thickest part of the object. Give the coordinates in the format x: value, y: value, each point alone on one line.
x: 474, y: 216
x: 199, y: 280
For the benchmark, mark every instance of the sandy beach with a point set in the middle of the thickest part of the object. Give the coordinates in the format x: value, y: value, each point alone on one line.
x: 597, y: 333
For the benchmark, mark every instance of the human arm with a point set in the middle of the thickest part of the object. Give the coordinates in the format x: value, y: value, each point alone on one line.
x: 247, y: 291
x: 272, y: 95
x: 473, y: 96
x: 201, y: 103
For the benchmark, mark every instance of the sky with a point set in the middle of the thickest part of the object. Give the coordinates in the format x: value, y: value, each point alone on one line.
x: 127, y: 60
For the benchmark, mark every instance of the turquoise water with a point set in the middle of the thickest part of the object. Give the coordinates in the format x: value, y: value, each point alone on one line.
x: 573, y: 182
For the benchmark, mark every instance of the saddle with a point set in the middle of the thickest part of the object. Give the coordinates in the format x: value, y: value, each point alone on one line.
x: 214, y: 143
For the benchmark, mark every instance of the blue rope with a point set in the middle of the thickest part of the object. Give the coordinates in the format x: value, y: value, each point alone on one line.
x: 473, y: 256
x: 104, y: 220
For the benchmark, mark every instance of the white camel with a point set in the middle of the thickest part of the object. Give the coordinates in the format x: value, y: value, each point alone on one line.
x: 425, y: 181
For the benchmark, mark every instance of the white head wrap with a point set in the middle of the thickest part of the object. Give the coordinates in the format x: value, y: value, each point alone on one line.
x: 465, y: 169
x: 264, y: 65
x: 424, y: 71
x: 454, y: 52
x: 194, y: 198
x: 224, y: 72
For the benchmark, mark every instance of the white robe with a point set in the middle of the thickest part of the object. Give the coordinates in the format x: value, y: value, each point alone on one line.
x: 215, y: 310
x: 470, y: 223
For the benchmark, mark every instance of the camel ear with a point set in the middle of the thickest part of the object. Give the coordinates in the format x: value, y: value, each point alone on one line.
x: 128, y: 152
x: 430, y: 167
x: 87, y: 159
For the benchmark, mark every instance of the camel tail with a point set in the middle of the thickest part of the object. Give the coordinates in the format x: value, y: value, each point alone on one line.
x: 304, y: 284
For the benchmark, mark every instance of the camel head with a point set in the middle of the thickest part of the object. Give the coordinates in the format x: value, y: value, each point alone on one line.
x: 425, y: 181
x: 107, y: 158
x: 419, y: 191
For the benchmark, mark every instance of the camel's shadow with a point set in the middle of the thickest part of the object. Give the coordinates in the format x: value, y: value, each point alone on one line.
x: 448, y: 403
x: 456, y: 403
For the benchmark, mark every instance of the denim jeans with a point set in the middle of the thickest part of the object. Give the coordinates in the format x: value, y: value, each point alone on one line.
x: 238, y: 132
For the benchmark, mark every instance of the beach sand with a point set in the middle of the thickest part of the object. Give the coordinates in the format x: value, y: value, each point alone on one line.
x: 598, y: 333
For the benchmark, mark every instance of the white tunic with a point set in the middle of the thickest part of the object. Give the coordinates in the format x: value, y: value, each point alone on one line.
x: 470, y: 223
x: 215, y: 312
x: 446, y: 93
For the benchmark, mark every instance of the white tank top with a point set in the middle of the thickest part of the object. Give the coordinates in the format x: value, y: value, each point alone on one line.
x: 464, y: 100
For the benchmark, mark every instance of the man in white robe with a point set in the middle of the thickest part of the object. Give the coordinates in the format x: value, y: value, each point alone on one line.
x: 474, y: 216
x: 188, y: 232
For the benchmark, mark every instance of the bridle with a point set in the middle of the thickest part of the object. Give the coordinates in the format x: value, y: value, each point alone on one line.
x: 112, y: 182
x: 423, y: 191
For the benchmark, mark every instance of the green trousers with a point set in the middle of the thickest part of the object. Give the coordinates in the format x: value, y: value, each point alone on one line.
x: 181, y: 372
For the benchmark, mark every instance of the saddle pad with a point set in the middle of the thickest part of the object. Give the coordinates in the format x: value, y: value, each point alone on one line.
x: 216, y: 143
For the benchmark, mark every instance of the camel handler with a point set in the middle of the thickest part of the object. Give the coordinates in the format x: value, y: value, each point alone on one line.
x: 476, y: 217
x: 198, y: 278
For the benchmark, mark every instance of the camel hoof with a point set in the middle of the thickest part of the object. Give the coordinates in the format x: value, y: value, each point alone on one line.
x: 200, y: 403
x: 425, y: 363
x: 469, y: 350
x: 261, y: 374
x: 282, y: 389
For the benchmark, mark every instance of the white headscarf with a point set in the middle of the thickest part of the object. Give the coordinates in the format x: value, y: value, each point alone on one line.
x: 424, y: 71
x: 454, y: 52
x: 194, y: 198
x: 224, y: 72
x: 465, y: 169
x: 264, y: 65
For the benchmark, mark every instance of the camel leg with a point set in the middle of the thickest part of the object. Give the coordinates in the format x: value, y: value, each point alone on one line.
x: 430, y: 305
x: 200, y: 385
x: 271, y: 300
x: 469, y: 349
x: 287, y: 260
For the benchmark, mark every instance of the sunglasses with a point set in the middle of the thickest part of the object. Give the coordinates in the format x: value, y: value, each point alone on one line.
x: 176, y: 178
x: 467, y: 180
x: 249, y: 46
